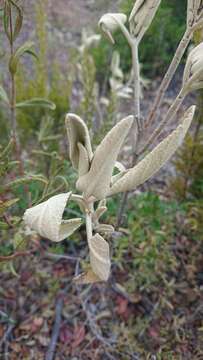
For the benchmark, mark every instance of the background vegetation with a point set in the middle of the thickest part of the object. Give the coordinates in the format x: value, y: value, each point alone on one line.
x: 151, y: 309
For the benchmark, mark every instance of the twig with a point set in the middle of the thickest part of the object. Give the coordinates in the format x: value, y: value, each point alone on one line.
x: 169, y: 75
x: 56, y: 328
x: 169, y: 116
x: 15, y: 255
x: 6, y: 335
x: 59, y: 257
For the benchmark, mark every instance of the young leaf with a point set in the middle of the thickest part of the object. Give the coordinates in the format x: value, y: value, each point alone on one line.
x: 97, y: 181
x: 36, y: 102
x: 18, y: 21
x: 46, y: 218
x: 193, y: 73
x: 193, y: 8
x: 142, y: 15
x: 78, y: 133
x: 100, y: 257
x: 108, y: 24
x: 14, y: 60
x: 155, y: 159
x: 84, y: 164
x: 3, y: 95
x: 104, y: 228
x: 6, y: 15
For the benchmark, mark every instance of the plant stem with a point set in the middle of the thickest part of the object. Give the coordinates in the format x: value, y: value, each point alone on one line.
x: 136, y: 73
x: 14, y: 133
x: 169, y: 74
x: 89, y: 221
x: 169, y: 116
x: 135, y: 133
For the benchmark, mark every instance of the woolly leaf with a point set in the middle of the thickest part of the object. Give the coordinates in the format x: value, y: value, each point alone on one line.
x: 142, y: 15
x: 97, y: 181
x: 100, y: 257
x: 77, y: 134
x: 84, y: 164
x: 155, y: 159
x: 110, y: 23
x: 193, y: 73
x: 46, y: 218
x: 104, y: 228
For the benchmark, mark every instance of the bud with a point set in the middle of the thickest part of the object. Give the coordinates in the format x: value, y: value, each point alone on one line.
x: 110, y: 23
x: 194, y: 9
x: 142, y: 15
x: 193, y: 74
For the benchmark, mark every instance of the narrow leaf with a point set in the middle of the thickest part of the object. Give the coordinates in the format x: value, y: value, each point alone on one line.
x: 14, y: 60
x: 97, y: 181
x: 18, y: 21
x: 38, y: 103
x: 155, y: 159
x: 3, y: 95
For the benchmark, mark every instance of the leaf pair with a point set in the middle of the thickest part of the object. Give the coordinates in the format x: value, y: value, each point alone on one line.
x: 11, y: 6
x: 193, y: 73
x: 95, y: 173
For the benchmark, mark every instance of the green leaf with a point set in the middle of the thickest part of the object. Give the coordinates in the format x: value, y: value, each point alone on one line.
x: 37, y: 102
x: 14, y: 60
x: 7, y: 9
x: 19, y: 20
x: 3, y: 95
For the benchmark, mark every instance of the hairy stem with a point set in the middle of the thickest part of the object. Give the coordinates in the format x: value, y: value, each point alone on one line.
x: 136, y: 73
x: 89, y: 212
x: 169, y: 116
x: 135, y: 132
x: 169, y: 74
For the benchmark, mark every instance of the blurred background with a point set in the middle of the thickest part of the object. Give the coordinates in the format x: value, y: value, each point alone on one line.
x: 152, y: 306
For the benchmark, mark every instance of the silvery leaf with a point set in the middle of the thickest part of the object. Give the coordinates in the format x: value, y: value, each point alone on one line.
x: 142, y: 15
x: 77, y: 133
x: 46, y: 218
x: 110, y: 23
x: 100, y: 257
x: 104, y: 228
x: 147, y: 167
x: 97, y: 181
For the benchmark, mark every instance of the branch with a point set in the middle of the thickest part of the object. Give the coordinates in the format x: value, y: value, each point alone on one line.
x: 15, y: 255
x: 55, y: 333
x: 169, y: 116
x: 169, y: 74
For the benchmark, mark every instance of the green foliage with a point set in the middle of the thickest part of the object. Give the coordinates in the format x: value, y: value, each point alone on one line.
x: 48, y: 80
x: 158, y: 45
x: 147, y: 249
